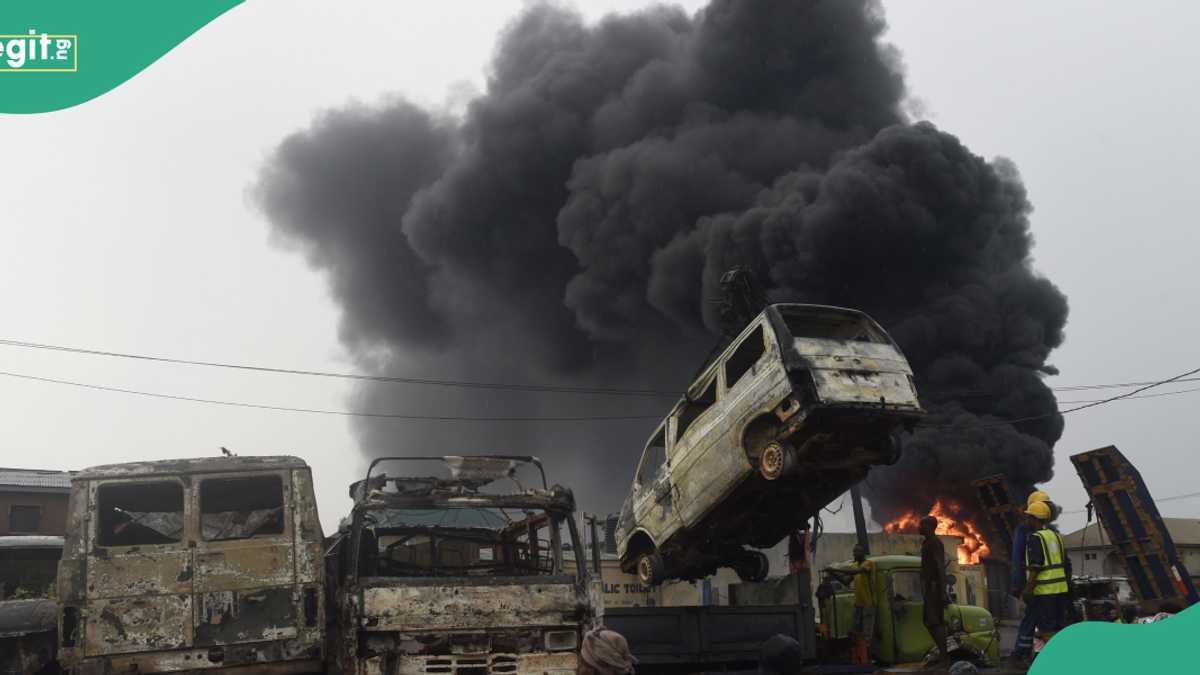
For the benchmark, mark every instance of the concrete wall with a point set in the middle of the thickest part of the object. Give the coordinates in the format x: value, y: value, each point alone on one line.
x: 1106, y: 561
x: 53, y: 507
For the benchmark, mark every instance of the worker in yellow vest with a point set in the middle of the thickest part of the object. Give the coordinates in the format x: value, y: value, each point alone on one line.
x: 1048, y: 569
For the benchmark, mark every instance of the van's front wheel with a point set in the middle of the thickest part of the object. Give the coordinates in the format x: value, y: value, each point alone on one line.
x: 651, y: 570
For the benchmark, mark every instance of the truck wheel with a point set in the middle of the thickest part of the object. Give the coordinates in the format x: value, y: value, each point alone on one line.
x: 775, y: 460
x: 651, y: 569
x: 754, y: 566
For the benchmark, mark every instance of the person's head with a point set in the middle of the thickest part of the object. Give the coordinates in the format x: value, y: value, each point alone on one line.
x: 1035, y: 497
x: 859, y: 554
x: 1128, y: 613
x: 605, y: 652
x: 928, y: 526
x: 1039, y: 513
x: 781, y: 655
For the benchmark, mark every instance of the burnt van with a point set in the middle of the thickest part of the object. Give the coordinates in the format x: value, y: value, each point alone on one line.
x: 192, y: 565
x: 789, y: 415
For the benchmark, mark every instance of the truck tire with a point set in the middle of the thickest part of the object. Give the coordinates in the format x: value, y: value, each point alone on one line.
x: 753, y: 566
x: 651, y: 570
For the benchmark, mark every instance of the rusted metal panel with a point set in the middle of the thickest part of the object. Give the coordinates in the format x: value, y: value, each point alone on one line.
x: 141, y: 571
x: 137, y: 624
x: 1003, y: 514
x: 193, y: 465
x: 541, y: 663
x: 226, y: 617
x: 244, y: 567
x: 451, y: 606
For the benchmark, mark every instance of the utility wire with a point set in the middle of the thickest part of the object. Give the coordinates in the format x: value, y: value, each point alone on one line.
x: 1189, y: 495
x: 467, y: 383
x: 319, y: 411
x: 1090, y: 404
x: 1165, y: 393
x: 347, y: 376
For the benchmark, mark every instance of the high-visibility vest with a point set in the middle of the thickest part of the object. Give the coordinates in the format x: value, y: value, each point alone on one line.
x: 1051, y: 574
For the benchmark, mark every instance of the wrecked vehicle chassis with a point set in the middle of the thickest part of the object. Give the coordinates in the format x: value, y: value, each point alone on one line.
x: 435, y: 576
x: 184, y: 565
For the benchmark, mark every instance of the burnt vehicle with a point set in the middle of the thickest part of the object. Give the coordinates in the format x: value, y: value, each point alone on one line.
x: 193, y: 564
x: 792, y: 413
x: 459, y: 575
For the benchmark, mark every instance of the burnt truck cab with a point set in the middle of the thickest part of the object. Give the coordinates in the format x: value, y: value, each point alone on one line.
x: 192, y: 564
x: 460, y: 575
x: 792, y: 413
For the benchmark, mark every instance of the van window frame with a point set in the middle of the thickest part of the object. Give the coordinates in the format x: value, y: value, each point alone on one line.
x: 758, y: 327
x: 288, y: 511
x: 186, y: 534
x: 660, y: 430
x: 714, y: 384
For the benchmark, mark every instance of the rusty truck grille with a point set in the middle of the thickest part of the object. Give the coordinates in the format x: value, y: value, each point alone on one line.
x: 476, y: 664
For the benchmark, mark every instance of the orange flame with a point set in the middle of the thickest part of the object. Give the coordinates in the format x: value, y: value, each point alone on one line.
x: 973, y: 549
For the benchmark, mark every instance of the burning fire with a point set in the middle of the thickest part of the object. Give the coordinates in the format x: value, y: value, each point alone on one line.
x: 973, y: 548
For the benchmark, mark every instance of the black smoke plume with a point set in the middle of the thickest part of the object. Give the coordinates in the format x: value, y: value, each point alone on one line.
x: 571, y: 227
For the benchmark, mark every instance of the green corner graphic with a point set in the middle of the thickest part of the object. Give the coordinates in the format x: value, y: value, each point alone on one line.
x: 55, y: 54
x: 1099, y: 648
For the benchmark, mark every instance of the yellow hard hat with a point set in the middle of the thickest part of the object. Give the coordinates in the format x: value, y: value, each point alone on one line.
x: 1039, y: 510
x: 1037, y: 496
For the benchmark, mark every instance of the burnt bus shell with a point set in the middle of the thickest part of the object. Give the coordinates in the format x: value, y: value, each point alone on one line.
x: 209, y: 564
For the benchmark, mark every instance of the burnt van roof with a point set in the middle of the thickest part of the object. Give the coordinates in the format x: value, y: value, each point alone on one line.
x: 191, y: 465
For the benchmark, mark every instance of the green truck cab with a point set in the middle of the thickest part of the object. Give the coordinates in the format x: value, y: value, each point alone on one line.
x: 900, y: 634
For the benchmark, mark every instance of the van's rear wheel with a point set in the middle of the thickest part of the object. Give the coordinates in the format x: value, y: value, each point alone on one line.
x: 752, y: 566
x: 774, y: 460
x: 651, y: 570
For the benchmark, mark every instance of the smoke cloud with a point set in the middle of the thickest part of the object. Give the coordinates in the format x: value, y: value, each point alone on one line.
x: 571, y: 226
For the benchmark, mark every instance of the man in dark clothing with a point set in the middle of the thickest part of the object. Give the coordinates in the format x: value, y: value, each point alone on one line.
x: 933, y: 584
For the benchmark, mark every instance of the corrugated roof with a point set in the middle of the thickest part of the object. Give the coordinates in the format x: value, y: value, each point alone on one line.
x: 1184, y: 532
x: 35, y: 478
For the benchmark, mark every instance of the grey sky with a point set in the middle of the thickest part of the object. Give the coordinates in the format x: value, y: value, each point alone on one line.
x: 127, y: 226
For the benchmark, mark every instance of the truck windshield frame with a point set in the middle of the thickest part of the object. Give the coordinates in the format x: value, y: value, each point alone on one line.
x: 480, y: 537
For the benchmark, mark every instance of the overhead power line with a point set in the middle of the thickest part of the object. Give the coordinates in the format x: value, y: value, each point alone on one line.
x: 1165, y: 393
x: 346, y: 376
x: 1189, y: 495
x: 1090, y: 404
x: 320, y: 411
x: 561, y: 389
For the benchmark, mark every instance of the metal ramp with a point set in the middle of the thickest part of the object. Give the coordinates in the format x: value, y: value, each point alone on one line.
x: 1133, y: 525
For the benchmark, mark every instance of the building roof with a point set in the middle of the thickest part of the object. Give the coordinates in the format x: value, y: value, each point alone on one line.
x: 35, y: 479
x: 1183, y: 531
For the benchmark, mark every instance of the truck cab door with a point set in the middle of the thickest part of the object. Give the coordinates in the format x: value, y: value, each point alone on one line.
x: 139, y: 567
x: 909, y: 638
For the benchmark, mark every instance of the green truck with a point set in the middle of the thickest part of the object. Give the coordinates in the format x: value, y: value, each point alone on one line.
x: 900, y: 635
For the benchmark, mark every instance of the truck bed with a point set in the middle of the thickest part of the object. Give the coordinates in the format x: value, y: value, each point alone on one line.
x: 707, y: 636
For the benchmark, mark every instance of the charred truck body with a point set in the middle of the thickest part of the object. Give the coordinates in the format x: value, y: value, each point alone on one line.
x: 791, y: 414
x: 197, y: 564
x: 440, y: 576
